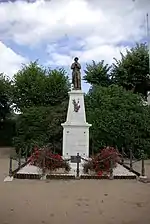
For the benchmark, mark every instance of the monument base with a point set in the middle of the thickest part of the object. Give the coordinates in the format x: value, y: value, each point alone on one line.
x: 33, y: 172
x: 75, y: 140
x: 76, y: 129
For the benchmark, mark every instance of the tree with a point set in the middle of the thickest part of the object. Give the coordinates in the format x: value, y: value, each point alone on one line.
x: 7, y: 131
x: 42, y: 96
x: 118, y: 118
x: 98, y: 74
x: 37, y: 86
x: 7, y: 123
x: 5, y: 86
x: 132, y: 69
x: 40, y: 126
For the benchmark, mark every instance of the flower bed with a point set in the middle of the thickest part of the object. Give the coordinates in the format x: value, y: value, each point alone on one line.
x: 102, y: 163
x: 46, y: 160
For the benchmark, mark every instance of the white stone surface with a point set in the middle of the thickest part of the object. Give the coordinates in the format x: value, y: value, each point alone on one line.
x: 8, y: 179
x: 73, y: 170
x: 148, y: 98
x: 30, y: 169
x: 76, y: 129
x: 76, y: 117
x: 43, y: 177
x: 143, y: 177
x: 75, y: 140
x: 122, y: 171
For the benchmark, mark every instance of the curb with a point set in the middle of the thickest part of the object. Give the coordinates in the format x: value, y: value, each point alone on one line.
x: 69, y: 177
x: 27, y: 176
x: 58, y: 177
x: 39, y: 176
x: 107, y: 177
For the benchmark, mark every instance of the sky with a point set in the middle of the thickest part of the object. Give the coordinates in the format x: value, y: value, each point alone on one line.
x: 56, y: 31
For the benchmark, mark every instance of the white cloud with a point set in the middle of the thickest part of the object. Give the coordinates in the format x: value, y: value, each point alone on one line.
x: 104, y: 52
x: 32, y: 23
x: 10, y: 62
x: 92, y: 49
x: 99, y: 24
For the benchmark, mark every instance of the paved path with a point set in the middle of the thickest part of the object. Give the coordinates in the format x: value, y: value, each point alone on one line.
x: 84, y: 201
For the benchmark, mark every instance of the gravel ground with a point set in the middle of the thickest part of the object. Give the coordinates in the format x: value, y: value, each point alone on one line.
x: 80, y: 201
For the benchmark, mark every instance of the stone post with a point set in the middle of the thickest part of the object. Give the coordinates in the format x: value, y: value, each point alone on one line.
x: 111, y: 169
x: 10, y: 166
x: 26, y: 154
x: 143, y: 165
x: 122, y: 152
x: 131, y: 157
x: 78, y: 161
x: 19, y: 159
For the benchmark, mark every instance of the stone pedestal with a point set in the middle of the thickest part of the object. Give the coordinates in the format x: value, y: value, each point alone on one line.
x: 148, y: 97
x: 76, y: 129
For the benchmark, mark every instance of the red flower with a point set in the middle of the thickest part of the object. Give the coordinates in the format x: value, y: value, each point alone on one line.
x: 100, y: 173
x: 52, y: 161
x: 101, y: 162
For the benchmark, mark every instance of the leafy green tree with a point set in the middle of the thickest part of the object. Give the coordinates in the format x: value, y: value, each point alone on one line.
x: 5, y: 87
x: 7, y: 131
x: 118, y: 118
x: 42, y: 96
x: 41, y: 126
x: 37, y: 86
x: 7, y: 123
x: 132, y: 70
x: 98, y: 74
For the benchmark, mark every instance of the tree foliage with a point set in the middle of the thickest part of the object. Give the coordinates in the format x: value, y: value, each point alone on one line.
x: 117, y: 115
x: 118, y: 118
x: 42, y: 96
x: 40, y: 126
x: 37, y: 86
x: 5, y: 87
x: 7, y: 123
x: 98, y: 74
x: 7, y: 131
x: 132, y: 70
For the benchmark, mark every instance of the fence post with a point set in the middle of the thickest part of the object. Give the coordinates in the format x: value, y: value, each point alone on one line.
x: 10, y: 166
x: 143, y: 165
x: 78, y: 161
x: 92, y: 148
x: 131, y: 157
x: 122, y: 152
x: 26, y: 154
x: 19, y: 158
x: 111, y: 169
x: 43, y: 165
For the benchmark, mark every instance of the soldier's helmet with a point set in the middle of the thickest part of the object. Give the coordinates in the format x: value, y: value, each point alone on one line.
x: 76, y: 59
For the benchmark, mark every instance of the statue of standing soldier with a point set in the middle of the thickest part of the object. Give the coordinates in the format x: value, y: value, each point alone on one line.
x: 76, y: 74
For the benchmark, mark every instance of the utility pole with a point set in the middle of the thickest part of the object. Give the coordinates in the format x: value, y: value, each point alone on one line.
x: 148, y: 45
x: 148, y: 39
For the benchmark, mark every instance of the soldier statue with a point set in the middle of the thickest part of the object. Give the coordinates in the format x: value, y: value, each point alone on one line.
x: 76, y: 75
